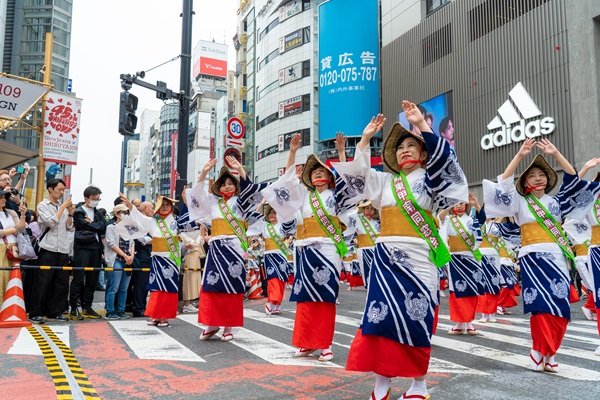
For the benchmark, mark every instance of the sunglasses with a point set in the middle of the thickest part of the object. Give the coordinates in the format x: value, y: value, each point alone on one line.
x: 123, y: 212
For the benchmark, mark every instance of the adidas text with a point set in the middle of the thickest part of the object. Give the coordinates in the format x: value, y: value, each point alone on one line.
x: 518, y: 133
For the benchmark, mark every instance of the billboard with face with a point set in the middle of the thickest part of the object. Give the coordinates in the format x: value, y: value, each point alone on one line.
x: 438, y: 115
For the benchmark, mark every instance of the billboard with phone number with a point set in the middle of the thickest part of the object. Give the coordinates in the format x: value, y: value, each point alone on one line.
x: 348, y: 66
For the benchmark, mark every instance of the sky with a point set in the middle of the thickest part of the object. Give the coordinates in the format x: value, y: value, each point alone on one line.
x: 114, y: 37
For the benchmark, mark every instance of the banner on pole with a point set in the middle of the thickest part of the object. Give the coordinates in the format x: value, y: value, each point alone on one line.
x: 61, y: 128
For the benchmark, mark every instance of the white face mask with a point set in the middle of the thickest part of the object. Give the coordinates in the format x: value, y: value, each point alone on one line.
x: 94, y: 203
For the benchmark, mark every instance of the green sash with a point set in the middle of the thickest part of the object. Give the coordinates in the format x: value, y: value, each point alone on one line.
x: 465, y: 236
x: 547, y: 221
x: 421, y: 223
x: 597, y: 210
x: 368, y: 228
x: 277, y: 239
x: 168, y: 236
x: 233, y: 222
x: 322, y: 216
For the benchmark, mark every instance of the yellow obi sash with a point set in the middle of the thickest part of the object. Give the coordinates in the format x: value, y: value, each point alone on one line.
x: 348, y: 258
x: 580, y: 250
x: 312, y: 229
x: 364, y: 240
x: 533, y: 233
x: 220, y: 227
x: 595, y: 235
x: 290, y: 257
x: 456, y: 244
x: 394, y: 223
x: 159, y: 245
x: 270, y: 244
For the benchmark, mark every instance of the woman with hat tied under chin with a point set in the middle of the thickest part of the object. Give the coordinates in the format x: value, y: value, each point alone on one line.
x: 462, y: 234
x: 319, y: 247
x: 590, y: 268
x: 225, y: 206
x: 165, y: 259
x: 276, y: 254
x: 545, y: 252
x: 395, y: 335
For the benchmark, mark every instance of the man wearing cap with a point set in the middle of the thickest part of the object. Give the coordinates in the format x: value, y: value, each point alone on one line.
x: 545, y: 249
x: 425, y: 178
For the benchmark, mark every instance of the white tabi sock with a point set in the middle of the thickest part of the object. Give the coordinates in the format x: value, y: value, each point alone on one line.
x: 211, y: 328
x: 470, y: 325
x: 417, y: 387
x: 382, y: 385
x: 227, y: 330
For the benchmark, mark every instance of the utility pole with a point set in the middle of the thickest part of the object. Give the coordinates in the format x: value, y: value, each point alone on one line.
x: 184, y: 100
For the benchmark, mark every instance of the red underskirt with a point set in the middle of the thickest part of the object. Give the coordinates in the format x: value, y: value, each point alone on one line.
x: 275, y: 291
x: 355, y: 280
x: 487, y: 303
x: 314, y: 325
x: 221, y: 309
x: 507, y: 297
x: 162, y: 305
x: 383, y: 356
x: 547, y: 332
x: 463, y: 309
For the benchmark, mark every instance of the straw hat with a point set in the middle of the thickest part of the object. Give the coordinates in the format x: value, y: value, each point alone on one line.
x: 223, y: 174
x: 159, y: 202
x: 396, y: 135
x: 312, y: 163
x: 363, y: 203
x: 540, y: 162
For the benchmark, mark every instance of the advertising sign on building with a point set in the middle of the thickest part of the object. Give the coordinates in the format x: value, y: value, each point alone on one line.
x: 17, y: 96
x: 283, y: 142
x: 61, y: 128
x: 210, y: 59
x: 290, y: 107
x: 203, y: 129
x: 290, y: 74
x: 348, y: 66
x: 290, y: 9
x: 438, y: 113
x: 294, y: 39
x: 266, y: 152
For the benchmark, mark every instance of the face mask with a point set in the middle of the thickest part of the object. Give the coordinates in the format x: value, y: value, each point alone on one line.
x: 94, y: 203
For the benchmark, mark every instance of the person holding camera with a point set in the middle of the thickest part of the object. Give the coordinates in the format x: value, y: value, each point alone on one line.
x: 10, y: 226
x: 90, y: 225
x: 55, y: 221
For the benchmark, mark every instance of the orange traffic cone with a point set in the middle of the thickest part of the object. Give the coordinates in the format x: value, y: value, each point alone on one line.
x: 13, y: 313
x: 255, y: 291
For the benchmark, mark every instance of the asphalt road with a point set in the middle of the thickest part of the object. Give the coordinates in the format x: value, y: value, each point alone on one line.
x: 126, y: 359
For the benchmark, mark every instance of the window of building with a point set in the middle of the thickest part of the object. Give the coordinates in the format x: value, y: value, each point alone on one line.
x: 437, y: 45
x: 269, y: 27
x: 268, y: 58
x: 434, y: 5
x: 272, y: 86
x: 271, y: 118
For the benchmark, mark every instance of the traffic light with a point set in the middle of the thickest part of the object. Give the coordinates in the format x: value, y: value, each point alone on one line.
x: 127, y: 118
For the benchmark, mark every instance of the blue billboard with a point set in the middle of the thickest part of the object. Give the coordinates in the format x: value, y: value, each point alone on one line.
x: 348, y: 66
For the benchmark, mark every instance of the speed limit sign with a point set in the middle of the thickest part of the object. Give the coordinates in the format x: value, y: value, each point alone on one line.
x: 235, y: 127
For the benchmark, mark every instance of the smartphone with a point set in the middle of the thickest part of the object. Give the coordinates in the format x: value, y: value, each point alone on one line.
x: 20, y: 169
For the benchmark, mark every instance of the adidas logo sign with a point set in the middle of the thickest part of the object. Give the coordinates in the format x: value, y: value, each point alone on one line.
x: 512, y: 126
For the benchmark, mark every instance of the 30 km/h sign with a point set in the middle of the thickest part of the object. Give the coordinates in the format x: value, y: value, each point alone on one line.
x: 236, y: 128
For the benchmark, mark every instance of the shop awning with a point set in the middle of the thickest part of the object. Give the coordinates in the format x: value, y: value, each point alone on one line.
x: 11, y: 154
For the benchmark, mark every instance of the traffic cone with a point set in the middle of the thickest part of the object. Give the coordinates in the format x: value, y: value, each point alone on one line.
x: 13, y: 312
x: 255, y: 291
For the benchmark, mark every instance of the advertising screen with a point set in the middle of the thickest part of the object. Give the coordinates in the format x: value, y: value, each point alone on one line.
x: 348, y: 66
x: 438, y: 114
x: 210, y: 59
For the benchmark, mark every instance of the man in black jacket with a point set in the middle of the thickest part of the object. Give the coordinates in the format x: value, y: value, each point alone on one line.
x: 90, y: 226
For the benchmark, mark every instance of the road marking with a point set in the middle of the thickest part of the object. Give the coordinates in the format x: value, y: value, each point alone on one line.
x: 264, y: 347
x: 525, y: 329
x: 565, y: 350
x: 25, y: 344
x: 435, y: 365
x: 69, y: 379
x: 151, y: 343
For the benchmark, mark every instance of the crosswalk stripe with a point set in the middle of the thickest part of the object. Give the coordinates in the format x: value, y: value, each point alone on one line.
x: 25, y: 343
x: 150, y: 343
x: 524, y: 321
x: 264, y: 347
x: 565, y: 350
x: 525, y: 329
x: 435, y: 365
x: 566, y: 371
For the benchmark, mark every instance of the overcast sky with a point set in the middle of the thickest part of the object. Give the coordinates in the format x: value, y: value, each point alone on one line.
x: 112, y: 37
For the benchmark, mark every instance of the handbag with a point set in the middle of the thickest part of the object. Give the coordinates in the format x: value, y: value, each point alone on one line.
x: 26, y: 250
x: 12, y: 250
x: 85, y: 237
x: 36, y: 242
